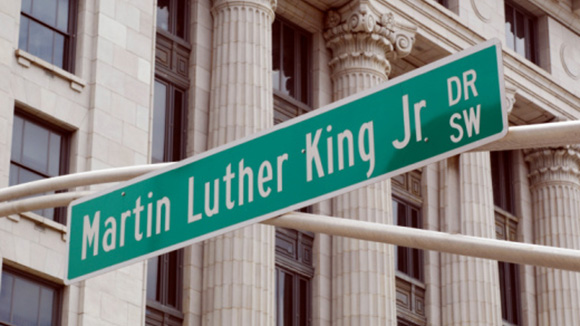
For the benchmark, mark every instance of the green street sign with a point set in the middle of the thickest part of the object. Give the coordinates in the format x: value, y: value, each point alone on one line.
x: 431, y: 113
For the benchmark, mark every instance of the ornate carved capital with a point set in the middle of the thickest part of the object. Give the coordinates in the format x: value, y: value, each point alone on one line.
x: 363, y: 40
x: 554, y: 165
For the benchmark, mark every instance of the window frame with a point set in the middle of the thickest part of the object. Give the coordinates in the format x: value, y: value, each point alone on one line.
x: 58, y: 295
x: 298, y: 65
x: 64, y: 155
x: 172, y: 21
x: 297, y: 265
x: 530, y: 30
x: 70, y: 35
x: 165, y: 310
x: 506, y: 224
x: 411, y: 310
x: 419, y: 273
x: 172, y: 153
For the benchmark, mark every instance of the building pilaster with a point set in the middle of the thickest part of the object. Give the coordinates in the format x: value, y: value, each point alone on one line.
x: 555, y: 187
x: 363, y: 274
x: 238, y: 267
x: 469, y: 286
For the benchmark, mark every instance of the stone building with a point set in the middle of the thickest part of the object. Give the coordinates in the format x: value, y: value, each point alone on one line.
x: 87, y: 85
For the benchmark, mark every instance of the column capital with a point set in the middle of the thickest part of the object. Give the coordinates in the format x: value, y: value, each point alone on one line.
x: 267, y: 5
x: 363, y: 38
x: 554, y: 165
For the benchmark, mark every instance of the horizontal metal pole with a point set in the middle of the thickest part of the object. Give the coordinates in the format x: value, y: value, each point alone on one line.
x: 40, y: 202
x: 537, y: 135
x: 76, y: 180
x: 509, y: 251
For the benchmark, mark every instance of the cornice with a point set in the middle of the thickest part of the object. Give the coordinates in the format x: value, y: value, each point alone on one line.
x: 457, y: 35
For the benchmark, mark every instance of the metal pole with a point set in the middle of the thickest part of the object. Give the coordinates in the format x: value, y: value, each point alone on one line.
x: 76, y: 180
x: 509, y: 251
x: 41, y: 202
x: 537, y: 135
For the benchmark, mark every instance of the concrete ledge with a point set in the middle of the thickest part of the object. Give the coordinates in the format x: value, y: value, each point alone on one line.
x: 26, y: 59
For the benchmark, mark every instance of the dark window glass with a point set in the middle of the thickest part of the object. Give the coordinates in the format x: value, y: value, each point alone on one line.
x: 502, y: 180
x: 509, y: 291
x: 163, y: 14
x: 291, y: 61
x: 25, y: 300
x: 520, y: 31
x: 444, y: 3
x: 47, y: 30
x: 506, y: 225
x: 169, y: 123
x: 294, y: 272
x: 172, y: 17
x: 409, y: 260
x: 165, y: 289
x: 39, y: 151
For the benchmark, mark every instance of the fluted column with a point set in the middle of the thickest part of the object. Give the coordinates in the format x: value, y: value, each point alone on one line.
x: 238, y: 267
x: 469, y: 286
x: 363, y: 275
x: 555, y: 187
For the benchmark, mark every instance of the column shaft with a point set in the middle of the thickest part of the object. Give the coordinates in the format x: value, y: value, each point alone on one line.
x: 556, y: 208
x: 238, y: 267
x: 363, y: 274
x: 470, y: 286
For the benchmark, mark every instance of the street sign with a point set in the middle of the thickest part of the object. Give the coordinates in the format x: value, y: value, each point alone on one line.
x: 431, y: 113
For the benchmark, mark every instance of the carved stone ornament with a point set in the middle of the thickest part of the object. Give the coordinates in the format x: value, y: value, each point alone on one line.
x: 510, y: 95
x: 554, y: 165
x: 570, y: 57
x: 361, y: 39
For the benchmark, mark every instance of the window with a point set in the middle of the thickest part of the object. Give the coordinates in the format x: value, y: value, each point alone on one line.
x: 26, y: 300
x: 164, y: 289
x: 169, y: 135
x: 520, y: 31
x: 172, y: 17
x: 407, y: 204
x: 409, y: 260
x: 39, y: 151
x: 506, y: 229
x: 294, y: 272
x: 294, y: 260
x: 502, y: 181
x: 169, y: 123
x: 291, y: 66
x: 47, y: 30
x: 444, y: 3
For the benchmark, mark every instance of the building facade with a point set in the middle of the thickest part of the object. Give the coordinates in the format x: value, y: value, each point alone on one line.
x: 101, y: 84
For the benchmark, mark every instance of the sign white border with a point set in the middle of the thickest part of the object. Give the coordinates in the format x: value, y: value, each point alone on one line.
x: 419, y: 71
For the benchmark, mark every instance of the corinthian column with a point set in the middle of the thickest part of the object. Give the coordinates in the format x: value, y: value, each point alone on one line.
x: 555, y: 186
x: 469, y: 286
x: 238, y: 267
x: 363, y: 275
